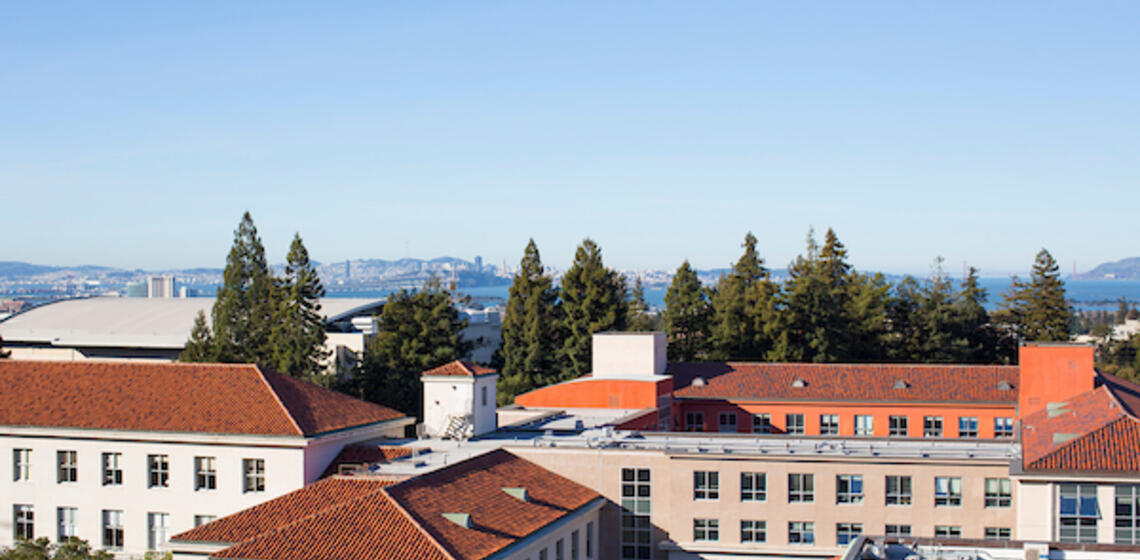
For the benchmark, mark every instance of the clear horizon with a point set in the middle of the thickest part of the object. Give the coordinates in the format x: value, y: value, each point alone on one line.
x: 135, y: 134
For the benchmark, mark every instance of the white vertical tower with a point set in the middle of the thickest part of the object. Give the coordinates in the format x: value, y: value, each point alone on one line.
x: 459, y: 400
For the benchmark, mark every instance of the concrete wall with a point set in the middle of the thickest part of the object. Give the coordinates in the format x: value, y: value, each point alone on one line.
x: 628, y: 354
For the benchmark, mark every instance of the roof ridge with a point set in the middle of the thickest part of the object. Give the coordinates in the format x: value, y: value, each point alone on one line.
x: 415, y: 521
x: 277, y: 398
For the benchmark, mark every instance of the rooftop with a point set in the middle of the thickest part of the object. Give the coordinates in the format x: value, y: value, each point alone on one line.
x: 459, y: 368
x: 176, y: 397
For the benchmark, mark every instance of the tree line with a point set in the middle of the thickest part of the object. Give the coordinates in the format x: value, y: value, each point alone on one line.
x: 826, y: 311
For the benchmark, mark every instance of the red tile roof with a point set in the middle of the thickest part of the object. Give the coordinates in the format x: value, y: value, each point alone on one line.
x: 475, y: 487
x: 362, y: 455
x: 846, y: 382
x: 369, y: 519
x: 199, y: 398
x: 1096, y: 431
x: 461, y: 368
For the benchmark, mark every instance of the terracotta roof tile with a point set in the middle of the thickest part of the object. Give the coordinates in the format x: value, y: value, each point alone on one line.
x: 1114, y: 447
x: 1096, y: 431
x: 475, y: 487
x: 200, y: 398
x: 314, y: 498
x: 369, y: 519
x: 846, y: 382
x: 361, y: 455
x: 461, y: 368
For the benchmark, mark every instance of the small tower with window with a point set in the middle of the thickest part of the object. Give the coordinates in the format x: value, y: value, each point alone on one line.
x: 459, y: 400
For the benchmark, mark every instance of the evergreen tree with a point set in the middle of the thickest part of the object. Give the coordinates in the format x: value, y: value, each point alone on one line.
x: 687, y: 316
x: 1036, y: 309
x: 593, y: 300
x: 245, y: 303
x: 869, y: 296
x: 741, y: 305
x: 298, y: 333
x: 201, y: 346
x: 905, y: 337
x: 527, y: 358
x: 938, y: 320
x: 973, y: 323
x: 638, y: 318
x: 43, y: 549
x: 418, y: 330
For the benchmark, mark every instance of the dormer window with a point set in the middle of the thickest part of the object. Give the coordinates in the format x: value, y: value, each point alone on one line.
x: 901, y: 384
x: 799, y: 383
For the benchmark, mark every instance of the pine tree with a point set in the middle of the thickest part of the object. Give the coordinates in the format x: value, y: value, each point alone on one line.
x: 528, y: 356
x: 638, y: 318
x: 687, y: 316
x: 593, y: 300
x: 973, y: 323
x: 245, y: 303
x: 741, y: 307
x: 905, y: 336
x: 1036, y: 309
x: 201, y: 346
x: 418, y: 330
x: 298, y: 333
x: 938, y: 320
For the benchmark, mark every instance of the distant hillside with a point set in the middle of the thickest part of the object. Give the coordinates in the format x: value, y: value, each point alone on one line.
x: 1125, y: 269
x: 14, y: 269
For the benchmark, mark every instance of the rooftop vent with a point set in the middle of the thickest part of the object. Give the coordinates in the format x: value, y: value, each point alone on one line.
x: 461, y: 519
x: 517, y: 493
x: 1059, y: 437
x: 799, y: 382
x: 1004, y: 385
x: 699, y: 382
x: 901, y: 384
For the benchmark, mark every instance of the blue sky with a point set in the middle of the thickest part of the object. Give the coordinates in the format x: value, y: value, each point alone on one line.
x: 135, y: 134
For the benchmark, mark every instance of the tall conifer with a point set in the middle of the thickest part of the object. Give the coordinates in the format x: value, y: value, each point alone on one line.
x: 687, y: 316
x: 741, y: 307
x: 528, y: 356
x: 593, y: 300
x: 1037, y: 309
x: 298, y: 332
x: 245, y: 304
x: 638, y: 317
x: 201, y: 346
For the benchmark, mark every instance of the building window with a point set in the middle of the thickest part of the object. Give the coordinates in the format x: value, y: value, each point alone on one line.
x: 864, y: 425
x: 726, y: 421
x: 254, y: 475
x: 24, y: 517
x: 794, y: 424
x: 932, y: 426
x: 1127, y: 514
x: 762, y: 423
x: 205, y: 473
x: 1078, y: 513
x: 200, y: 520
x: 558, y: 552
x: 828, y: 424
x: 753, y: 531
x: 947, y: 491
x: 897, y: 426
x: 157, y: 530
x: 694, y: 421
x: 706, y: 485
x: 158, y: 469
x: 753, y: 487
x: 998, y: 492
x: 543, y: 554
x: 897, y: 531
x: 706, y: 530
x: 801, y: 488
x: 847, y: 532
x: 801, y: 532
x: 66, y: 523
x: 636, y: 508
x: 21, y: 464
x: 68, y: 462
x: 590, y: 539
x: 112, y: 528
x: 999, y: 533
x: 967, y: 426
x: 948, y: 531
x: 848, y: 489
x: 1003, y: 427
x: 483, y: 395
x: 898, y: 490
x: 574, y: 545
x: 112, y: 469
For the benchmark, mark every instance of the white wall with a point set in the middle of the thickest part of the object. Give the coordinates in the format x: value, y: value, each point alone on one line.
x: 1036, y: 511
x: 547, y: 538
x: 486, y: 419
x: 445, y: 395
x: 628, y: 354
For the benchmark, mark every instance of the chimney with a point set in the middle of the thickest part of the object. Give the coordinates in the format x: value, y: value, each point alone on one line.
x: 1052, y: 373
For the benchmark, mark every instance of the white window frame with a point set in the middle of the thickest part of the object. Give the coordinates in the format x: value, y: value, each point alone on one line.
x: 753, y: 531
x: 24, y: 522
x: 706, y: 485
x: 67, y: 466
x: 801, y: 533
x: 67, y: 523
x: 932, y: 426
x: 706, y: 530
x: 253, y: 475
x: 158, y: 471
x: 113, y: 532
x: 801, y: 488
x: 157, y: 530
x: 898, y: 426
x: 753, y: 487
x: 21, y: 464
x: 112, y: 467
x: 864, y: 425
x: 828, y: 424
x: 205, y: 472
x: 947, y: 491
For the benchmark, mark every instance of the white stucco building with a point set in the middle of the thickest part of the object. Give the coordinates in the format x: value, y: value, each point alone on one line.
x: 124, y: 455
x: 459, y: 400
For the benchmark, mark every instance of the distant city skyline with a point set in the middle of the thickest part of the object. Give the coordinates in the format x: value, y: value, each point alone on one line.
x: 134, y: 135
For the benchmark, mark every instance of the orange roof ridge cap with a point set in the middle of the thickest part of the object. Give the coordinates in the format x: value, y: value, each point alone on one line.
x: 277, y: 398
x: 415, y: 521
